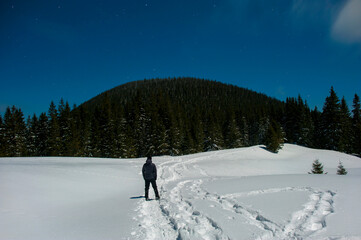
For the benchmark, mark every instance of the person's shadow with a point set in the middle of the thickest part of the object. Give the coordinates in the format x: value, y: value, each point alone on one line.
x: 138, y: 197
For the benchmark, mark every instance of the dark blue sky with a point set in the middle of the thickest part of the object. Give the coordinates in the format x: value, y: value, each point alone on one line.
x: 77, y: 49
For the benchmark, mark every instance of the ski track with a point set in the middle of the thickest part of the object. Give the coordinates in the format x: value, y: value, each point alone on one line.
x: 175, y: 217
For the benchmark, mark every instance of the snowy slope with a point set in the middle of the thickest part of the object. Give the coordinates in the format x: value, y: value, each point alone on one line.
x: 246, y: 193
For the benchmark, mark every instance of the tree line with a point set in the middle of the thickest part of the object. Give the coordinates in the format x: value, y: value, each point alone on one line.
x: 179, y: 116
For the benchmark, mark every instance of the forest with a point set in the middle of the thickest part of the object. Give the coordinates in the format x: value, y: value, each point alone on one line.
x: 177, y: 116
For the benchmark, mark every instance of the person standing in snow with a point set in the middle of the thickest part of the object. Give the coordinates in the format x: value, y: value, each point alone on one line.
x: 150, y: 176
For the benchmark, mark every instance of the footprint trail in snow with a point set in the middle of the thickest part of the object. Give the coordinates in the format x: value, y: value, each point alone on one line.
x: 182, y: 211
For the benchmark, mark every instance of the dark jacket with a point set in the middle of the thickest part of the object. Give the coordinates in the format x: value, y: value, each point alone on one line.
x: 149, y: 170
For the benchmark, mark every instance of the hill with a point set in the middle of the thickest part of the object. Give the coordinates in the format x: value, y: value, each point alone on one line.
x: 180, y: 116
x: 176, y: 117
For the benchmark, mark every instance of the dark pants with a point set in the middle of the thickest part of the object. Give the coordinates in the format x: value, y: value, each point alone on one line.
x: 154, y: 185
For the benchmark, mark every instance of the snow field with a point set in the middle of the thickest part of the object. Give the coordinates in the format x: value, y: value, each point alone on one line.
x: 202, y: 198
x: 246, y: 193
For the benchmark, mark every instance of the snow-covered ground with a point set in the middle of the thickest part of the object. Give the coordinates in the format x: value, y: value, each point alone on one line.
x: 246, y: 193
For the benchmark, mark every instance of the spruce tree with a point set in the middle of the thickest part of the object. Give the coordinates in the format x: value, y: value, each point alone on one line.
x: 331, y: 122
x: 262, y: 127
x: 83, y: 132
x: 143, y: 133
x: 95, y: 134
x: 213, y: 135
x: 244, y: 129
x: 2, y: 139
x: 317, y: 132
x: 106, y: 129
x: 8, y: 133
x: 356, y: 126
x: 345, y: 144
x: 14, y: 133
x: 122, y: 136
x: 341, y: 170
x: 317, y: 167
x: 176, y: 133
x: 306, y: 126
x: 274, y: 138
x: 65, y: 119
x: 162, y: 140
x: 297, y: 121
x: 233, y: 137
x: 31, y: 136
x: 42, y: 135
x: 20, y: 133
x: 54, y: 139
x: 197, y: 130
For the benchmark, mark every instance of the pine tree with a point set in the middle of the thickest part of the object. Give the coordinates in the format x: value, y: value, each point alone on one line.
x: 31, y: 136
x: 95, y: 137
x: 244, y: 129
x: 20, y: 133
x: 331, y: 122
x: 317, y: 167
x: 2, y: 137
x: 161, y: 141
x: 122, y: 138
x: 42, y: 135
x: 345, y: 144
x: 341, y: 170
x: 65, y: 120
x: 356, y: 125
x: 14, y: 133
x: 262, y: 126
x: 274, y: 138
x: 8, y: 133
x: 176, y: 133
x: 106, y: 133
x: 306, y: 124
x: 82, y: 132
x: 317, y: 132
x: 143, y: 133
x: 54, y: 140
x: 197, y: 130
x: 292, y: 120
x: 233, y: 137
x: 213, y: 136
